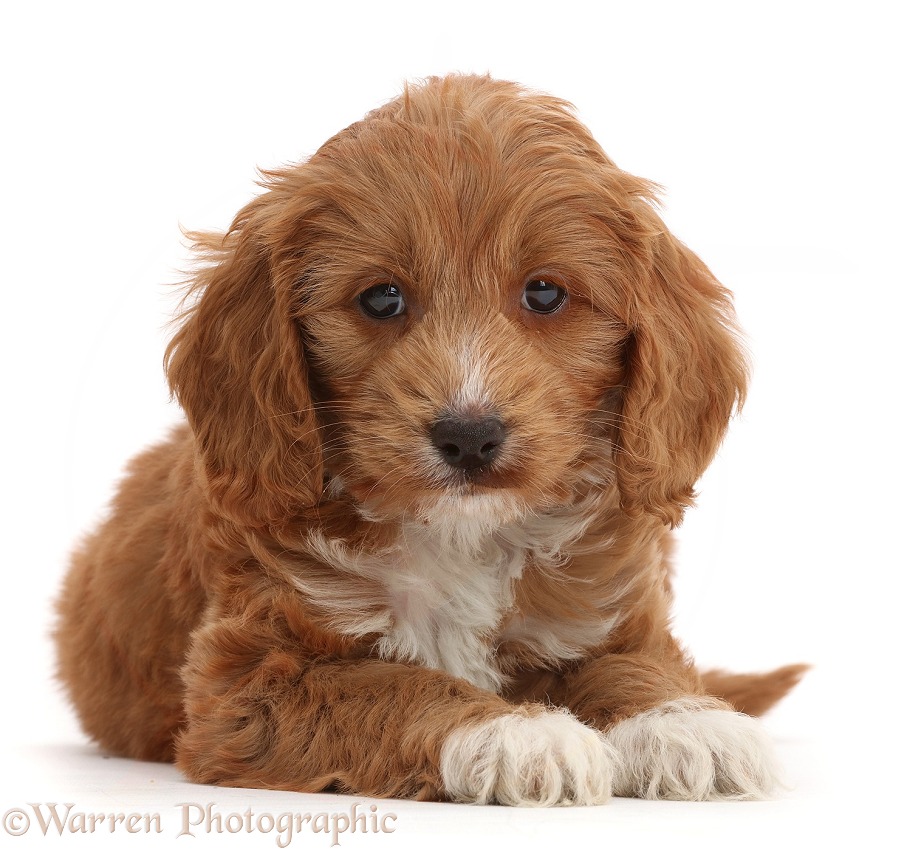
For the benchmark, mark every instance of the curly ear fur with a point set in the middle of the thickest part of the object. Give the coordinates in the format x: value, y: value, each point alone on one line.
x: 238, y: 368
x: 687, y: 374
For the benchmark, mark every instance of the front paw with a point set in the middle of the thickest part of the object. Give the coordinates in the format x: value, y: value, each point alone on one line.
x: 693, y: 749
x: 544, y: 759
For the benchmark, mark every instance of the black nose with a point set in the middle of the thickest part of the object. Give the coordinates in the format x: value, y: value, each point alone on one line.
x: 468, y: 443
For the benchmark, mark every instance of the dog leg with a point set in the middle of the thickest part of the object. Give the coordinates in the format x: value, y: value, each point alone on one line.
x: 670, y: 740
x: 264, y: 716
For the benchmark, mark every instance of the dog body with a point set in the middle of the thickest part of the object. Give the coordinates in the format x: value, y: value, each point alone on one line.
x: 448, y: 385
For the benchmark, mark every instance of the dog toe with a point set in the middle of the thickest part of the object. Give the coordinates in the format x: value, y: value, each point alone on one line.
x: 694, y: 750
x: 547, y: 759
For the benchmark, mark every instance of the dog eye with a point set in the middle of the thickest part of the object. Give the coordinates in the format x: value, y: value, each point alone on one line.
x: 543, y: 296
x: 382, y: 301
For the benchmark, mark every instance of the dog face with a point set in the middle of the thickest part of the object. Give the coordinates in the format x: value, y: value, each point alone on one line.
x: 462, y: 362
x: 458, y: 306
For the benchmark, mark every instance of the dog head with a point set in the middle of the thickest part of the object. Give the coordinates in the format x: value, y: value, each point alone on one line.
x: 458, y: 304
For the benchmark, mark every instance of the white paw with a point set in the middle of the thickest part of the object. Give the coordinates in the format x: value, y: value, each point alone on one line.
x: 543, y: 760
x: 692, y: 750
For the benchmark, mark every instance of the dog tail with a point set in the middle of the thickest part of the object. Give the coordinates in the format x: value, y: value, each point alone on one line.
x: 753, y: 694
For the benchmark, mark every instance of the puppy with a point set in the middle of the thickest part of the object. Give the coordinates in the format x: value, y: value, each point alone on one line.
x: 449, y: 384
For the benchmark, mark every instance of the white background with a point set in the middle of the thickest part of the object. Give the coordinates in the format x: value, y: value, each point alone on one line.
x: 787, y: 137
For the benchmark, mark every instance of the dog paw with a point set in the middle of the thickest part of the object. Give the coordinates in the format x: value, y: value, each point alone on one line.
x: 547, y: 759
x: 693, y: 749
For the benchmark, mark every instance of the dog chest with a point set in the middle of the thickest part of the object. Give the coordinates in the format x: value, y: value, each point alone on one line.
x: 449, y: 608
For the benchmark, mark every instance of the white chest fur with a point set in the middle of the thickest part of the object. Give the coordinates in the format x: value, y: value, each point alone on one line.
x: 445, y: 604
x: 436, y: 598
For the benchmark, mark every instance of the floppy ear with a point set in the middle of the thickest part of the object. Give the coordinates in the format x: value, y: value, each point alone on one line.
x: 238, y: 368
x: 687, y: 373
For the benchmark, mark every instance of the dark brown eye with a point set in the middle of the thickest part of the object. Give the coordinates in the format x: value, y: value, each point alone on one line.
x: 541, y: 296
x: 382, y: 301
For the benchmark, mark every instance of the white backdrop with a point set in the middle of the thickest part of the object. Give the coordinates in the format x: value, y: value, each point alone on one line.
x: 787, y: 137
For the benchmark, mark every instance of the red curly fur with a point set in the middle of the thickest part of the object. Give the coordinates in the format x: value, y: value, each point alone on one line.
x: 263, y: 604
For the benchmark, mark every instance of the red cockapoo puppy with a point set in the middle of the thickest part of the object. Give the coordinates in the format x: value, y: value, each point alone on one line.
x: 449, y: 384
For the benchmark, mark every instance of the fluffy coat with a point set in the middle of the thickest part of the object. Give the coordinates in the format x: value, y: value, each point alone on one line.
x: 300, y: 589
